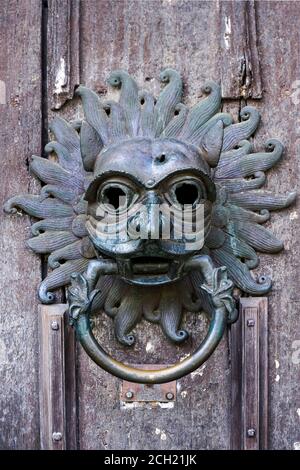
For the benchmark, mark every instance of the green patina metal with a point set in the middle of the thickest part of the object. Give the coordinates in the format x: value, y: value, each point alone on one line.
x: 146, y: 150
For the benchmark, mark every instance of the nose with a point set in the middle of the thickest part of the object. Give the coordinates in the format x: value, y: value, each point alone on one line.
x: 149, y: 218
x: 148, y: 221
x: 153, y: 220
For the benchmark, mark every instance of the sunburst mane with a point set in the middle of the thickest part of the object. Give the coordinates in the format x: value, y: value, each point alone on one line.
x: 241, y: 209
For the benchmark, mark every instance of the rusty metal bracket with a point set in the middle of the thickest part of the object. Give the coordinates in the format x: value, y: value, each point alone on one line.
x: 57, y: 379
x: 249, y: 349
x: 159, y: 393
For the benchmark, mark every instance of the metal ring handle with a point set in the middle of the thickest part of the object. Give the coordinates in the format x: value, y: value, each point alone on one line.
x: 131, y: 374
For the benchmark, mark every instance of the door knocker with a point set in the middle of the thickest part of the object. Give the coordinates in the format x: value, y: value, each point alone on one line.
x: 151, y: 209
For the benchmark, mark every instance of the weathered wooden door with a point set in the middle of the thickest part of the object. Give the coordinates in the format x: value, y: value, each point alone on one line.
x: 47, y: 48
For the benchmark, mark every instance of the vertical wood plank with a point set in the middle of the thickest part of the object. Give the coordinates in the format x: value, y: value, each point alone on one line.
x: 57, y: 380
x: 240, y: 67
x: 264, y: 375
x: 20, y: 271
x: 70, y: 384
x: 143, y: 37
x: 249, y: 349
x: 63, y: 51
x: 279, y: 46
x: 236, y: 383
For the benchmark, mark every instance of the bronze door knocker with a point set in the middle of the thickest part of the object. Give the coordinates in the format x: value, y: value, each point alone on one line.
x: 127, y: 179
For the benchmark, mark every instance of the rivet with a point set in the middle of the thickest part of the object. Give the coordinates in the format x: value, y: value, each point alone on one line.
x: 129, y: 394
x: 169, y: 396
x: 251, y: 432
x: 150, y: 182
x: 57, y: 436
x: 262, y: 279
x: 250, y: 322
x: 54, y: 325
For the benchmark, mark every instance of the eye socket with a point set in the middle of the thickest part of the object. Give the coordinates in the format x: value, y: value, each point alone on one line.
x: 187, y: 193
x: 116, y: 197
x: 113, y: 196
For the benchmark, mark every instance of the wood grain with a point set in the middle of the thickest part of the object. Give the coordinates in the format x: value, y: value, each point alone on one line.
x: 238, y: 55
x: 278, y: 43
x: 63, y: 51
x: 143, y: 37
x: 20, y: 69
x: 183, y: 35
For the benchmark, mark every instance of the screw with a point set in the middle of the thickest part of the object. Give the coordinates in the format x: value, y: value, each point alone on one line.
x: 251, y: 432
x: 250, y: 322
x: 169, y: 396
x: 129, y: 394
x: 57, y: 436
x: 54, y: 325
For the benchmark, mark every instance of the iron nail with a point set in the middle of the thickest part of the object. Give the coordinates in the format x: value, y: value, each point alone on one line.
x: 251, y: 432
x: 54, y: 325
x: 129, y: 394
x: 250, y: 322
x: 169, y: 396
x: 57, y: 436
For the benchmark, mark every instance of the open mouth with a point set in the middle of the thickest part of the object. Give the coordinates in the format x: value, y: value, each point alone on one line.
x: 150, y: 264
x: 150, y: 270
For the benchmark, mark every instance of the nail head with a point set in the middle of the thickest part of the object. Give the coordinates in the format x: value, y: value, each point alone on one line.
x: 251, y: 432
x: 55, y: 325
x: 169, y: 396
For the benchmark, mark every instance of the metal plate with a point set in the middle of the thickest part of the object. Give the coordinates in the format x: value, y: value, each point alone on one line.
x: 163, y: 393
x: 249, y: 346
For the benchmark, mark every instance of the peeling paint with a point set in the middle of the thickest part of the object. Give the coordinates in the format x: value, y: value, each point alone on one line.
x: 276, y: 364
x: 277, y: 378
x: 2, y: 92
x: 294, y: 215
x: 61, y: 77
x: 128, y: 406
x: 227, y: 32
x: 149, y: 347
x: 296, y: 446
x: 298, y: 412
x: 184, y: 394
x: 166, y: 405
x: 3, y: 353
x: 162, y: 434
x: 124, y: 405
x: 198, y: 371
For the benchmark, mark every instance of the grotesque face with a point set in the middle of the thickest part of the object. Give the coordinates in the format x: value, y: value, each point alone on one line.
x: 149, y: 207
x: 143, y: 160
